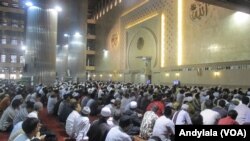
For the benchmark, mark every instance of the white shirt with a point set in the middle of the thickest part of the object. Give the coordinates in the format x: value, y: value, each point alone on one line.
x: 183, y: 118
x: 243, y: 113
x: 116, y: 134
x: 70, y: 122
x: 160, y: 128
x: 20, y: 116
x: 210, y: 117
x: 16, y: 131
x: 80, y: 128
x: 22, y: 137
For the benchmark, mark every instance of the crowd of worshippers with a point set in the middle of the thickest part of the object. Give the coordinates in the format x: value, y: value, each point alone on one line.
x: 121, y: 111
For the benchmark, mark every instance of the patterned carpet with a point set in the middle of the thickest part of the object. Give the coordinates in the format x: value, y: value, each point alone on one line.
x: 52, y: 124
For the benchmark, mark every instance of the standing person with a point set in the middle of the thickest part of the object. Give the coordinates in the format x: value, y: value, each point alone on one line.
x: 164, y: 127
x: 118, y: 133
x: 100, y: 128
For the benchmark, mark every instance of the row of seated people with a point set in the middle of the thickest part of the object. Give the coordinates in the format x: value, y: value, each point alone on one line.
x: 131, y: 112
x: 20, y: 115
x: 145, y: 107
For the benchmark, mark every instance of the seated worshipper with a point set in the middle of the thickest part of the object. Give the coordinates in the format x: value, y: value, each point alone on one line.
x: 100, y: 128
x: 19, y: 97
x: 67, y: 109
x: 31, y: 127
x: 145, y: 100
x: 196, y: 102
x: 52, y: 100
x: 118, y: 133
x: 72, y: 117
x: 164, y: 127
x: 116, y: 118
x: 23, y: 112
x: 230, y: 119
x: 4, y: 103
x: 232, y: 104
x: 111, y: 106
x: 134, y: 115
x: 116, y: 108
x: 243, y: 111
x: 64, y: 102
x: 209, y: 116
x: 181, y: 117
x: 124, y: 102
x: 158, y: 102
x: 38, y: 107
x: 6, y: 121
x: 44, y: 91
x: 220, y: 108
x: 81, y: 124
x: 180, y: 96
x: 148, y: 122
x: 17, y: 130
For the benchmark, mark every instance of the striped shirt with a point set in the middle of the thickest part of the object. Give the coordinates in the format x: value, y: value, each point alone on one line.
x: 20, y: 116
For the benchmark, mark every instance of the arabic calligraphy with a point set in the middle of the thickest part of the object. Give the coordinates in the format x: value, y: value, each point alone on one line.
x: 198, y: 10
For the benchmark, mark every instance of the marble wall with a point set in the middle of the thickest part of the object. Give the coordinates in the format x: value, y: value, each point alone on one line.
x: 215, y: 43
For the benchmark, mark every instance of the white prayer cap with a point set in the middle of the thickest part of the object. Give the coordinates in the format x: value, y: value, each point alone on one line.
x: 184, y: 107
x: 112, y: 101
x: 86, y: 110
x: 75, y: 94
x: 106, y: 112
x: 133, y: 104
x: 32, y: 115
x: 189, y: 99
x: 90, y: 90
